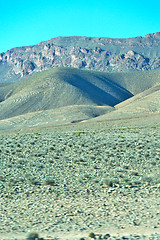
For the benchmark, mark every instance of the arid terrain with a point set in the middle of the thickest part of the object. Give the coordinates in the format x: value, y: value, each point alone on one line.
x: 80, y: 149
x: 65, y: 95
x: 66, y: 182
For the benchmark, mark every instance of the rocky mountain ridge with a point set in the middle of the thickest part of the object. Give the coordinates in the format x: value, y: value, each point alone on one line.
x: 102, y: 54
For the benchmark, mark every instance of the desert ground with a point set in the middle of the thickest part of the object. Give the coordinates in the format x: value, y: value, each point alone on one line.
x: 80, y: 139
x: 69, y: 181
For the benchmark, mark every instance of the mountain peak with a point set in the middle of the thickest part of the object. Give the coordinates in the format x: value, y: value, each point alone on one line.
x: 153, y: 35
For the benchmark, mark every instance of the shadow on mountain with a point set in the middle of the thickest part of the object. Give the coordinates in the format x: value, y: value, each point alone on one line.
x: 65, y: 95
x: 96, y: 94
x: 60, y: 87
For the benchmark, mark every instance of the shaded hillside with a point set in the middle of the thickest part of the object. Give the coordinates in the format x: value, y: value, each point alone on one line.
x: 148, y: 102
x: 65, y: 93
x: 62, y: 87
x: 90, y: 53
x: 6, y: 90
x: 136, y: 82
x: 142, y: 104
x: 147, y: 94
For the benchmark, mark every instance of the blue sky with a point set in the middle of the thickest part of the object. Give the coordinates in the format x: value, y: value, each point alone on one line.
x: 28, y: 22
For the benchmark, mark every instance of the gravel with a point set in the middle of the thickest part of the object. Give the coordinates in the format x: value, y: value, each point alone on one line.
x: 79, y: 180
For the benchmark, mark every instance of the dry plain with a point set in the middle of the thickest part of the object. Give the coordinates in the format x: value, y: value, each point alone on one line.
x: 68, y: 181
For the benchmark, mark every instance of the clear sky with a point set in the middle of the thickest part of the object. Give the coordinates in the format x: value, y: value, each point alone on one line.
x: 28, y: 22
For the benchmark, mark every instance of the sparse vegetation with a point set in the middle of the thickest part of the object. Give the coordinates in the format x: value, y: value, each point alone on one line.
x: 65, y: 181
x: 80, y: 132
x: 32, y: 236
x: 110, y: 181
x: 92, y: 235
x: 50, y: 181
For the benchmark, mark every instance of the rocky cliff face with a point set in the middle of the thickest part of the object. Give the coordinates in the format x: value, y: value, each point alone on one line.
x: 102, y: 54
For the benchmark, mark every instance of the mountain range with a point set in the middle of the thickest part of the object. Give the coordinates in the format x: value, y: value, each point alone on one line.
x: 71, y: 79
x: 90, y: 53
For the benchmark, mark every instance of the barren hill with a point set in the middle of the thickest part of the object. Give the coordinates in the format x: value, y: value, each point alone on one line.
x: 58, y: 88
x: 66, y: 95
x: 143, y: 104
x: 102, y: 54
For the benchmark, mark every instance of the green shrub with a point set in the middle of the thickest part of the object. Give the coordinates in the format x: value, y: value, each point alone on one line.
x: 80, y: 132
x: 110, y: 181
x: 49, y: 181
x: 32, y: 236
x: 92, y: 235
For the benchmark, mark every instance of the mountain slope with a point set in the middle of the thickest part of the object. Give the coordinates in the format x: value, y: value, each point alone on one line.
x: 62, y: 87
x: 147, y: 102
x: 54, y: 117
x: 142, y: 104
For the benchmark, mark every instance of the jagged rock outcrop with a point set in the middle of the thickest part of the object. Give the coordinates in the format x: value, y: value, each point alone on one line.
x: 102, y: 54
